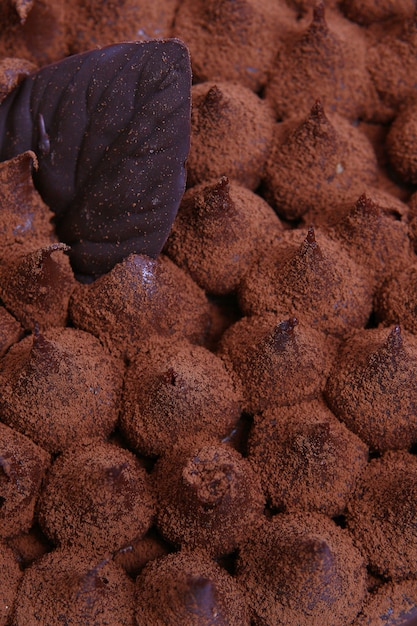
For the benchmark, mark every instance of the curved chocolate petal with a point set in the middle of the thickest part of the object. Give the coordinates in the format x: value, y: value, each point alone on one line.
x: 111, y: 130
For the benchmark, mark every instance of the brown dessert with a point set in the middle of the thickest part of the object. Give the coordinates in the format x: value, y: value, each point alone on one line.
x: 373, y: 389
x: 202, y: 487
x: 381, y: 514
x: 309, y: 279
x: 233, y: 41
x: 36, y: 287
x: 301, y: 569
x: 60, y: 387
x: 98, y: 143
x: 339, y: 160
x: 218, y: 232
x: 22, y: 468
x: 189, y: 588
x: 9, y: 583
x: 306, y: 459
x: 263, y: 350
x: 401, y: 141
x: 173, y: 390
x: 391, y: 605
x: 96, y: 499
x: 10, y: 331
x: 326, y: 60
x: 66, y: 588
x: 137, y: 299
x: 228, y: 113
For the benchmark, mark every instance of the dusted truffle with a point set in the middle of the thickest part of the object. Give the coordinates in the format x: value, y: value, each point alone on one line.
x: 74, y: 589
x: 278, y: 362
x: 393, y: 604
x: 312, y: 278
x: 228, y: 114
x: 36, y: 288
x: 10, y: 330
x: 382, y: 512
x: 175, y: 389
x: 306, y: 459
x: 373, y: 387
x: 232, y: 40
x: 9, y: 583
x: 22, y: 467
x: 327, y: 60
x: 374, y: 232
x: 339, y: 160
x: 301, y: 569
x: 208, y: 496
x: 96, y: 498
x: 25, y: 220
x: 189, y: 588
x: 392, y: 63
x: 221, y: 227
x: 370, y: 11
x: 59, y: 387
x: 138, y: 298
x: 401, y: 143
x: 397, y: 298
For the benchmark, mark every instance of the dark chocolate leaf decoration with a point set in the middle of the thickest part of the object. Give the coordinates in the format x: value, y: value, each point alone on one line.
x: 111, y: 130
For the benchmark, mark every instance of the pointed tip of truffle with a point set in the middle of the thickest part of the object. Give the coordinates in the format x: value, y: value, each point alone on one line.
x: 395, y: 338
x: 319, y: 14
x: 201, y: 597
x: 283, y: 332
x: 311, y: 235
x: 366, y: 206
x: 317, y: 112
x: 214, y: 102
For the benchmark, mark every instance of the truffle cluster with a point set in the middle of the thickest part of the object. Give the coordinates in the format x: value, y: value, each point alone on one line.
x: 209, y: 419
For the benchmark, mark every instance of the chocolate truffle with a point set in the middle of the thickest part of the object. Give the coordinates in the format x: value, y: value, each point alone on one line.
x: 34, y: 30
x: 373, y: 387
x: 74, y: 589
x: 12, y: 71
x: 138, y: 298
x: 301, y: 569
x: 382, y: 511
x: 338, y: 157
x: 10, y: 331
x: 9, y: 583
x: 218, y: 232
x: 306, y: 459
x: 25, y: 220
x: 232, y: 40
x: 401, y: 143
x: 228, y: 114
x: 310, y: 279
x: 96, y: 498
x: 22, y: 467
x: 370, y: 11
x: 374, y: 231
x: 208, y: 496
x: 279, y: 362
x: 393, y: 604
x: 59, y: 387
x: 327, y: 60
x: 189, y: 588
x: 36, y: 287
x: 392, y: 62
x: 175, y: 389
x: 93, y: 24
x: 396, y: 299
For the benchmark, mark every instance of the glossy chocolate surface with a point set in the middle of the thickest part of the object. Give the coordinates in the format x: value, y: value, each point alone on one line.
x: 111, y: 131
